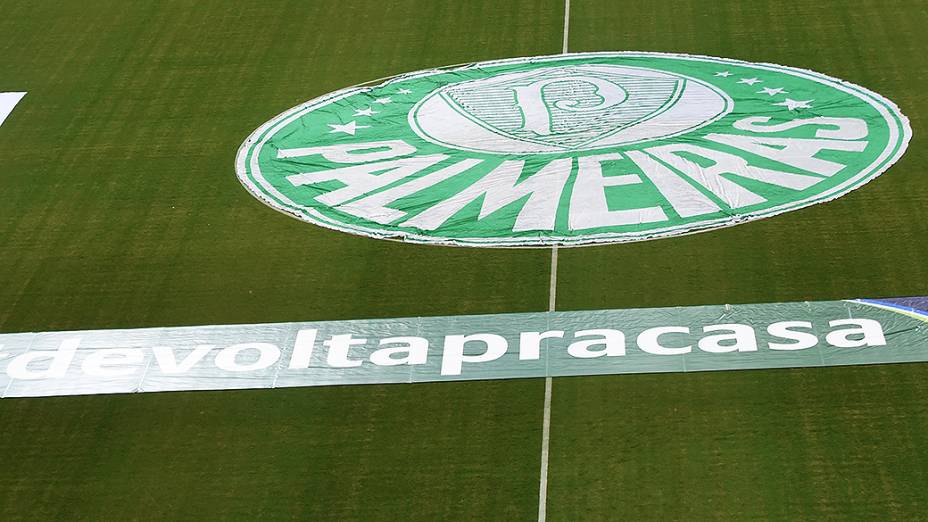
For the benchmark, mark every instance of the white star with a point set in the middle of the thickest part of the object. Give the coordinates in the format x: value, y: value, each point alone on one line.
x: 404, y: 91
x: 348, y: 128
x: 723, y: 74
x: 749, y: 81
x: 795, y: 104
x: 365, y: 112
x: 383, y: 101
x: 772, y: 92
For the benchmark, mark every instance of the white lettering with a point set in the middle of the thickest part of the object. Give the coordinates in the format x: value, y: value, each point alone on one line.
x: 227, y: 358
x: 612, y: 341
x: 165, y: 356
x: 785, y: 329
x: 339, y: 346
x: 795, y: 152
x: 870, y: 332
x: 741, y: 339
x: 375, y: 208
x: 360, y: 179
x: 685, y: 199
x: 303, y: 349
x: 847, y: 128
x: 530, y: 343
x: 453, y: 356
x: 711, y: 178
x: 501, y: 187
x: 649, y: 341
x: 415, y: 350
x: 589, y: 207
x: 107, y: 362
x: 60, y: 361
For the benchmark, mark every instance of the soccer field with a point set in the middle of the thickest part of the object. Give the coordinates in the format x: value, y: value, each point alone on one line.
x: 121, y: 209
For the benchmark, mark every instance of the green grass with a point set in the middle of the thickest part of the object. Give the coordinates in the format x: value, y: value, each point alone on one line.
x: 834, y: 443
x: 121, y: 209
x: 341, y: 453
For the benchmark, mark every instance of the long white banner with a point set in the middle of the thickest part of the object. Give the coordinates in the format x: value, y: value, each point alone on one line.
x: 430, y: 349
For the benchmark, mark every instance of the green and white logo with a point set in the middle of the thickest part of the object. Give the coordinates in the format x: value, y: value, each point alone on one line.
x: 571, y: 149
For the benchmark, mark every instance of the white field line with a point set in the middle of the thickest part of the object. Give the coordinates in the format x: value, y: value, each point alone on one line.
x: 546, y: 417
x: 8, y: 100
x: 545, y: 438
x: 566, y: 24
x: 552, y: 284
x: 552, y: 302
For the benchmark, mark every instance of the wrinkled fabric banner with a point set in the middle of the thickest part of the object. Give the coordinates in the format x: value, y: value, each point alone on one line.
x: 429, y: 349
x: 574, y: 149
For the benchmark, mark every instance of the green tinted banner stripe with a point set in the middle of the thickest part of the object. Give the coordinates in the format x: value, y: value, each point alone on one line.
x: 429, y: 349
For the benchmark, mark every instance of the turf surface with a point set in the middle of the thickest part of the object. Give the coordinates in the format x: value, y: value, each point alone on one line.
x: 121, y: 209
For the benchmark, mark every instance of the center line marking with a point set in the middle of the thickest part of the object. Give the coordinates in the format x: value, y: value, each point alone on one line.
x: 552, y: 301
x: 566, y: 25
x: 546, y: 418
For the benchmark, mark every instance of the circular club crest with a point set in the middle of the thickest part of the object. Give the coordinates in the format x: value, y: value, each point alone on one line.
x: 571, y: 149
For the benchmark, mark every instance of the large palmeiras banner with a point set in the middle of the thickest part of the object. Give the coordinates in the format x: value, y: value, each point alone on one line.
x: 571, y: 149
x: 429, y: 349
